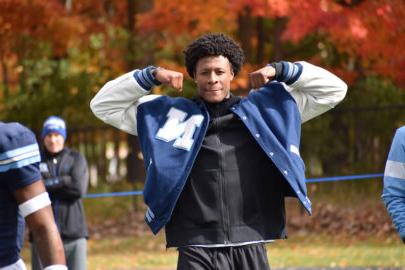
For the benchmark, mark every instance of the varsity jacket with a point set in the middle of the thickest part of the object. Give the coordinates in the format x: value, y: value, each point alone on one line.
x: 234, y: 194
x: 171, y: 130
x: 394, y: 182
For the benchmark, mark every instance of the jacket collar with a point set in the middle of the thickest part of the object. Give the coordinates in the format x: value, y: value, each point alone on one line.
x: 220, y: 108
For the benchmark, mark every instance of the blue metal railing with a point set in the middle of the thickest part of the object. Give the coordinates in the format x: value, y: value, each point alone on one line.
x: 309, y: 180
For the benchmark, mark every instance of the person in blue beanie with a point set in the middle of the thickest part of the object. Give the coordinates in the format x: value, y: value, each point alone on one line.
x: 394, y: 182
x: 66, y: 177
x: 23, y: 199
x: 219, y: 166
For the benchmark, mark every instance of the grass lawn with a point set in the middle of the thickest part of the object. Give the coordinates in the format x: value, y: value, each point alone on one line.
x: 149, y: 252
x: 334, y: 252
x: 316, y: 246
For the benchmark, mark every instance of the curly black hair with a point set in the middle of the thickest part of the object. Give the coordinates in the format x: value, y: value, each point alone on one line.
x: 214, y: 45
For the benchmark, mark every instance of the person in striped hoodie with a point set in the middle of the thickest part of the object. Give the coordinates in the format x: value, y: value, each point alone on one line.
x: 394, y: 182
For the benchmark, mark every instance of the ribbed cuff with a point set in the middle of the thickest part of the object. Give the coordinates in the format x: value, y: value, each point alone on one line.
x: 145, y: 78
x: 286, y: 71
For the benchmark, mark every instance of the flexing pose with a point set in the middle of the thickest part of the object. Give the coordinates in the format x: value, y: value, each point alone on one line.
x: 219, y: 166
x: 23, y: 196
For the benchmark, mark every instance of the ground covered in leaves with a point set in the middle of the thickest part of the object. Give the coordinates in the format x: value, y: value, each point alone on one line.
x: 358, y: 221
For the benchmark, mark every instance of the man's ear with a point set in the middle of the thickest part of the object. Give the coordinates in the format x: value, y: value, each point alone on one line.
x: 232, y: 73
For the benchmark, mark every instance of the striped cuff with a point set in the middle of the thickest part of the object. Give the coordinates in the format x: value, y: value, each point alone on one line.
x: 286, y: 71
x: 145, y: 78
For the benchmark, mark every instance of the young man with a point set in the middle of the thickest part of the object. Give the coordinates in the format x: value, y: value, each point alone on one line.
x: 394, y: 182
x: 219, y: 166
x: 23, y: 196
x: 66, y: 178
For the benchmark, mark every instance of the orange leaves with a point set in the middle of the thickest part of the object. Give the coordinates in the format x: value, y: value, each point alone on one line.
x: 309, y: 17
x: 262, y: 8
x: 178, y: 17
x: 38, y: 21
x: 51, y: 21
x: 371, y: 31
x: 357, y: 29
x: 376, y: 35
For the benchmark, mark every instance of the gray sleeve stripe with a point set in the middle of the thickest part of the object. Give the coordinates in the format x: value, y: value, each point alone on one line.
x: 395, y: 169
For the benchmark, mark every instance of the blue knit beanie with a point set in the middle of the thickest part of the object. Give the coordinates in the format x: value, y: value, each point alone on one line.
x: 54, y: 124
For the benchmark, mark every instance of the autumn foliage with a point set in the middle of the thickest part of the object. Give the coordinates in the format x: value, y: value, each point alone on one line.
x: 354, y: 38
x: 369, y: 34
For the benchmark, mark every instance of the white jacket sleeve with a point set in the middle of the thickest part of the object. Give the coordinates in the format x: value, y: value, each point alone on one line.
x: 316, y: 91
x: 117, y: 101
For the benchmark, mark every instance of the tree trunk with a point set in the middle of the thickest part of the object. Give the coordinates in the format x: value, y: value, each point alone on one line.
x: 135, y: 166
x: 261, y: 39
x: 245, y: 32
x: 5, y: 80
x: 279, y: 25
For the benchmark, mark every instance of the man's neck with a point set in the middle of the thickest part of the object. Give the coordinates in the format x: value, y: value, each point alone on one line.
x: 221, y: 108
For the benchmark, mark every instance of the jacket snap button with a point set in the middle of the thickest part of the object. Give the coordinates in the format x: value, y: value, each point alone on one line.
x: 257, y: 135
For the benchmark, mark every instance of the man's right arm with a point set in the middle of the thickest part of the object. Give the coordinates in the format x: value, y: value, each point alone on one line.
x: 117, y: 101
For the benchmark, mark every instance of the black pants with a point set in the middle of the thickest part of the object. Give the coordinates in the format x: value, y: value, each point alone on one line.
x: 248, y: 257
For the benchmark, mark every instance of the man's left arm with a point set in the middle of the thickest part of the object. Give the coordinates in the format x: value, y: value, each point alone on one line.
x: 314, y: 89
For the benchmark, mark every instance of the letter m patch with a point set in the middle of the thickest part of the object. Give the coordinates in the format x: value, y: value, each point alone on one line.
x: 178, y: 129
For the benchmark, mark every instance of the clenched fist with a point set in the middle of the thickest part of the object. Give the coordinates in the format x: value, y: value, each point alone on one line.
x: 262, y: 76
x: 169, y: 77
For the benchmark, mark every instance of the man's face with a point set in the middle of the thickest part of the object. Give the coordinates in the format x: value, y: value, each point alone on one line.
x: 213, y: 76
x: 54, y: 142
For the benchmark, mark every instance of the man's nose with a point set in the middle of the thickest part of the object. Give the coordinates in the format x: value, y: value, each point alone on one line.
x: 213, y: 78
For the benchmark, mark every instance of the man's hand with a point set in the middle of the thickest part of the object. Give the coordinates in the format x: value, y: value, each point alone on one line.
x: 169, y: 77
x: 262, y: 76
